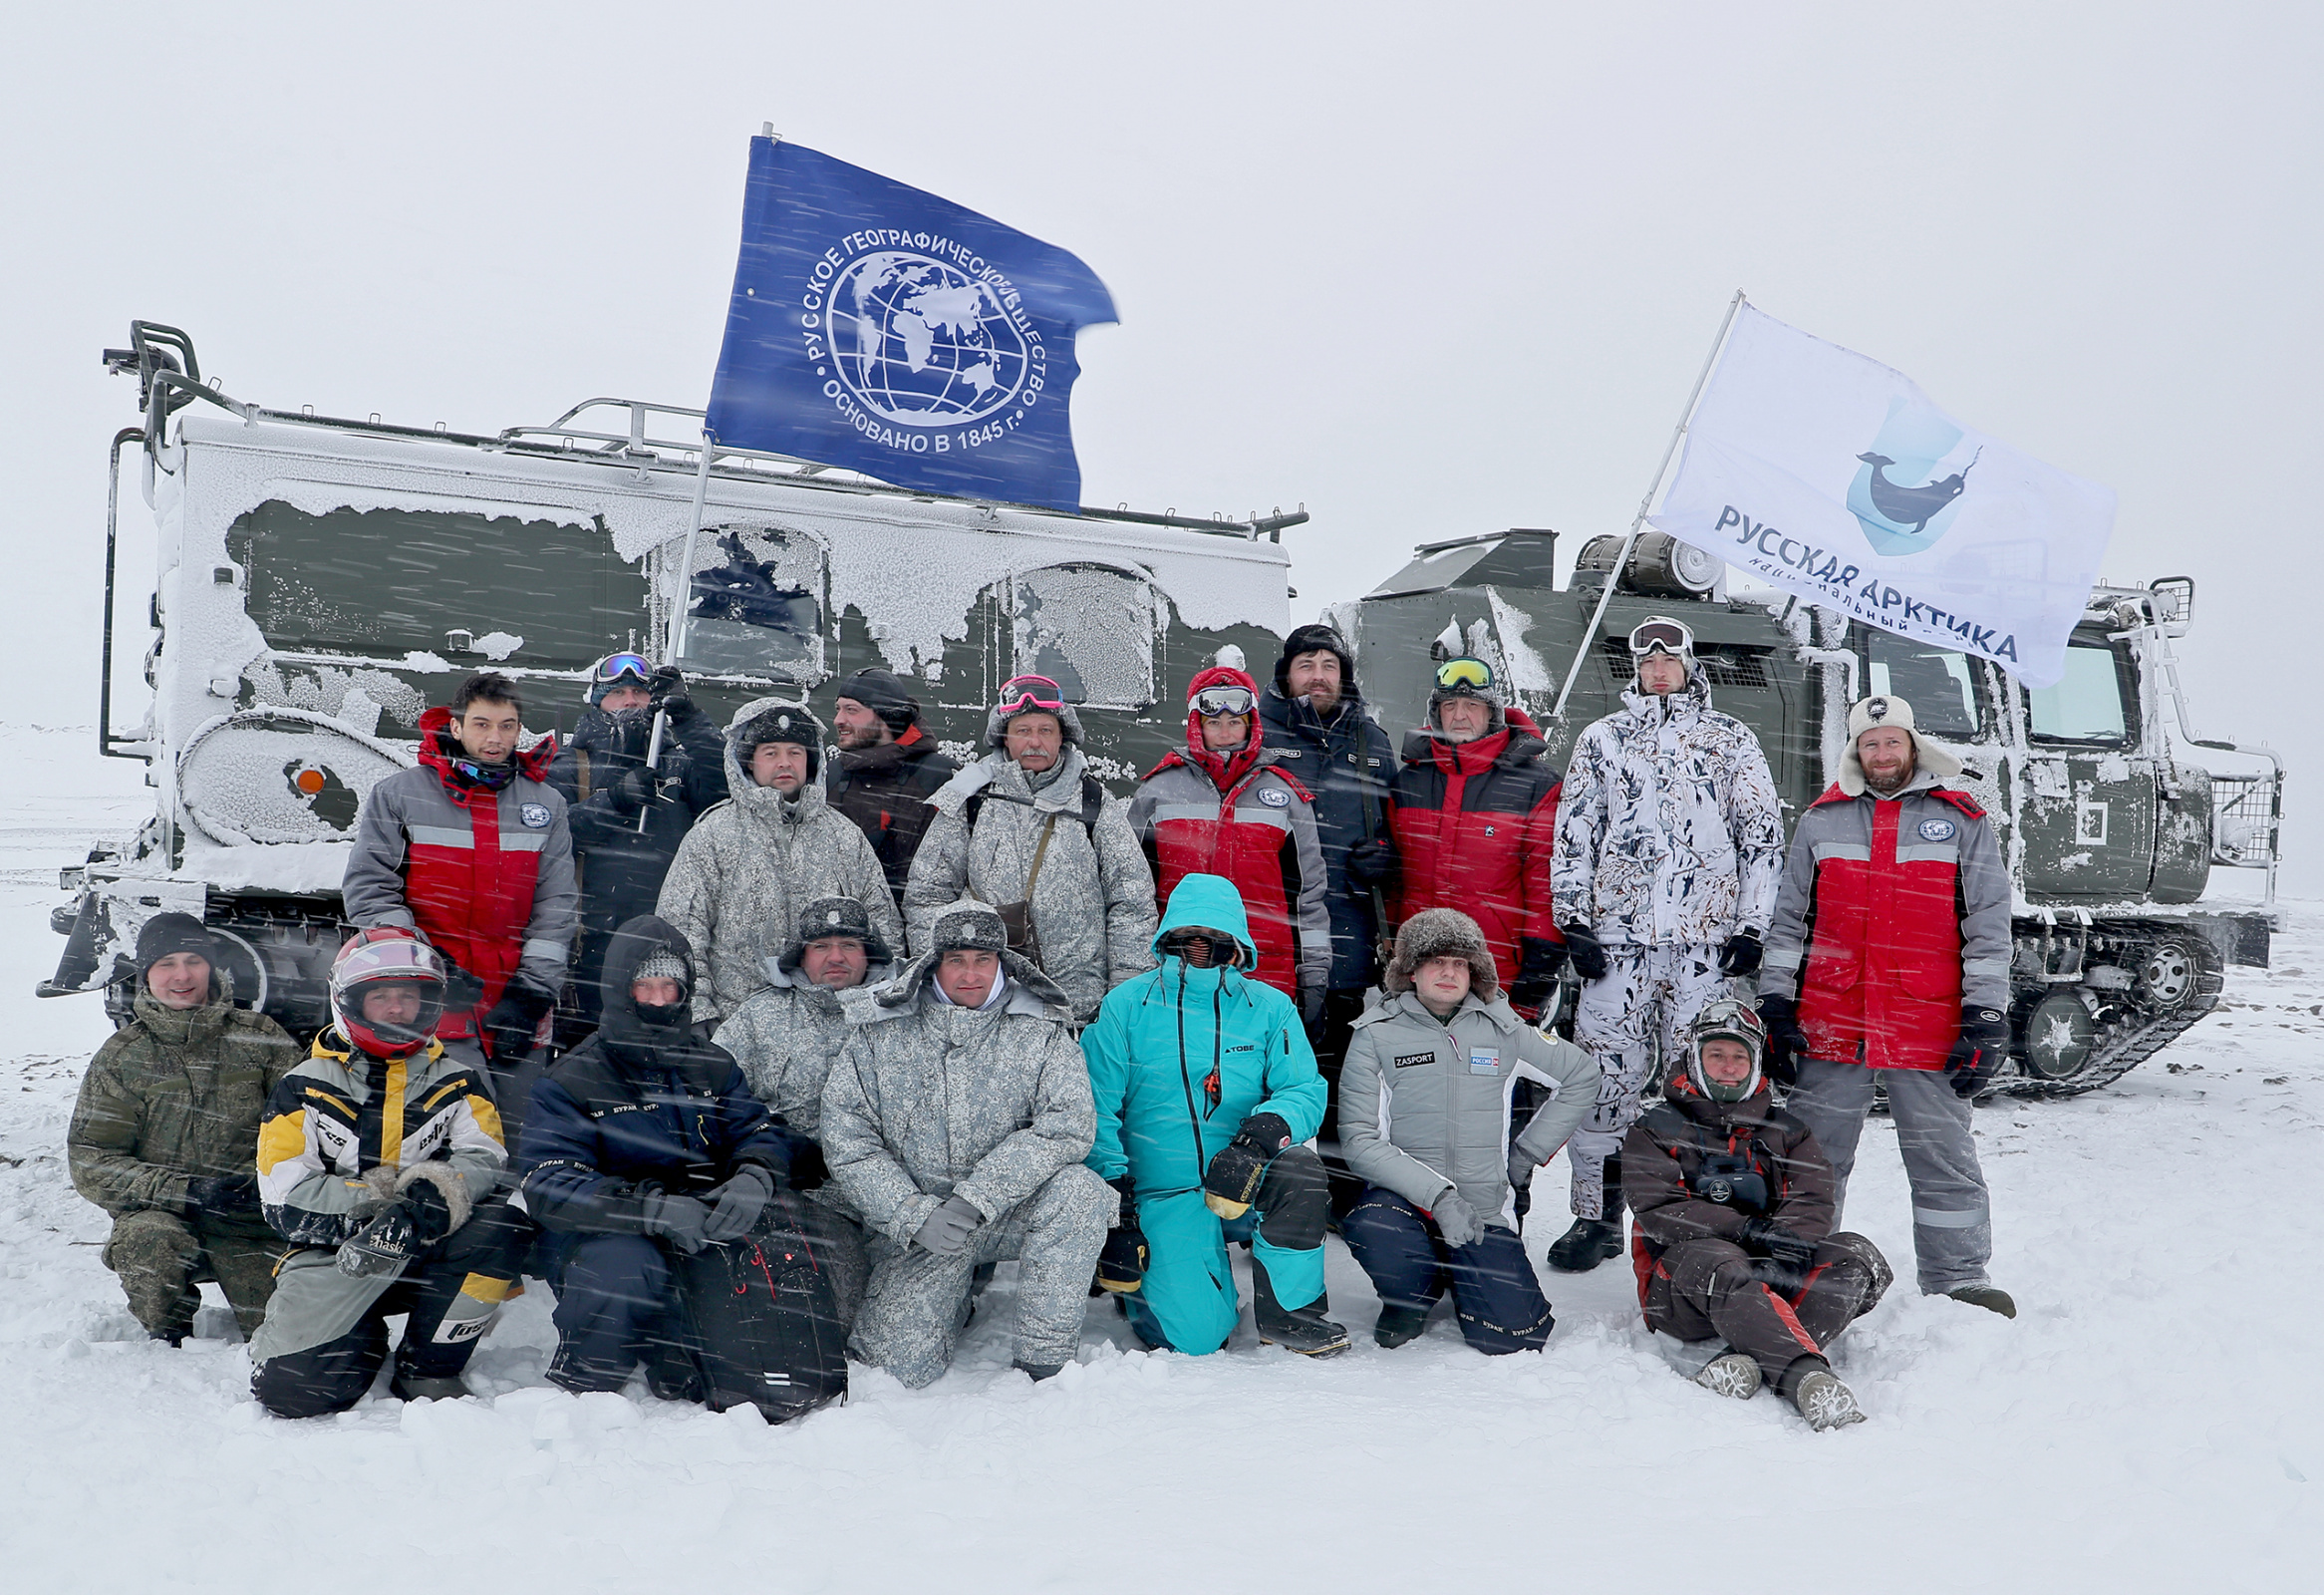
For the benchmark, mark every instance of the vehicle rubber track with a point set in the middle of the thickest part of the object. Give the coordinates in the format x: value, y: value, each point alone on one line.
x: 2127, y: 1045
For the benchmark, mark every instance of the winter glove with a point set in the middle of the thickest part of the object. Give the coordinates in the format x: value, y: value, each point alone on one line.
x: 1231, y: 1184
x: 670, y: 695
x: 681, y: 1220
x: 1456, y: 1220
x: 1739, y: 959
x: 515, y: 1018
x: 1588, y: 953
x: 1783, y: 1259
x: 221, y: 1195
x: 948, y: 1231
x: 736, y: 1204
x: 411, y: 1223
x: 1520, y: 1167
x: 1373, y: 862
x: 632, y: 792
x: 1978, y: 1054
x: 1537, y: 975
x: 1787, y: 1043
x: 1311, y: 1009
x: 461, y: 990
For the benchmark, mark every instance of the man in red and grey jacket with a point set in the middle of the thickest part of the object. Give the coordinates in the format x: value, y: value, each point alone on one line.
x: 1473, y: 811
x: 471, y: 849
x: 1889, y: 952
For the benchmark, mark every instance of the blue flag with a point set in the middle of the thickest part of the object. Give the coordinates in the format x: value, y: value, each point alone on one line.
x: 881, y: 329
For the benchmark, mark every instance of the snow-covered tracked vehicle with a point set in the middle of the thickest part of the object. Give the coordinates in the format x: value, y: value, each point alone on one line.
x: 2110, y: 833
x: 321, y: 582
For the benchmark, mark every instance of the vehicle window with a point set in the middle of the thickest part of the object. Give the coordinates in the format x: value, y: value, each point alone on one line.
x: 380, y: 583
x: 2088, y: 704
x: 1088, y: 629
x: 1941, y: 686
x: 757, y: 606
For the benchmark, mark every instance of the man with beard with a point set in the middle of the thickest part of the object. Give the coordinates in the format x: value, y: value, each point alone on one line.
x: 1888, y: 965
x: 620, y: 857
x: 886, y: 770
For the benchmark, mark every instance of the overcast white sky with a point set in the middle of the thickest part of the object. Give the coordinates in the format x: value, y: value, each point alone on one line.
x: 1430, y: 271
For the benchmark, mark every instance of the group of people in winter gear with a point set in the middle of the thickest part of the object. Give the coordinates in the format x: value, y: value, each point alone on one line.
x: 849, y: 1025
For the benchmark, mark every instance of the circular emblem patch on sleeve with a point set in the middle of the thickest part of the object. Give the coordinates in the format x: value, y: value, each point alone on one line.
x: 1274, y: 797
x: 534, y: 815
x: 1938, y: 830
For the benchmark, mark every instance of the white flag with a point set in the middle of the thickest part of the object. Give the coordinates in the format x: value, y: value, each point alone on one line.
x: 1833, y: 477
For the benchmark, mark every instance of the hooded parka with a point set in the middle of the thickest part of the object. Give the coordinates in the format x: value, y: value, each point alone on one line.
x: 1093, y: 904
x: 1244, y: 816
x: 1669, y: 830
x: 990, y: 1105
x: 748, y: 867
x: 1179, y: 1056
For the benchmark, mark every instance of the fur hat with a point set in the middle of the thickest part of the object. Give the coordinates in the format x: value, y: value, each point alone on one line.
x: 780, y: 720
x: 1882, y: 712
x: 883, y: 694
x: 1317, y: 638
x: 969, y: 926
x: 164, y: 934
x: 835, y: 916
x: 1011, y: 704
x: 1443, y: 933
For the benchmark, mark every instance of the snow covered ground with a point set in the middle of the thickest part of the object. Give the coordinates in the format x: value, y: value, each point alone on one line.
x: 2154, y: 1419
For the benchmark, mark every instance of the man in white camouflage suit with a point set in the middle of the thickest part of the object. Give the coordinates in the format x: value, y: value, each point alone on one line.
x: 1670, y: 847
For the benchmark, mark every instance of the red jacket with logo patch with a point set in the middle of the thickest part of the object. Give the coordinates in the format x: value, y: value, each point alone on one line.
x: 1475, y: 825
x: 1240, y: 815
x: 485, y: 876
x: 1892, y: 915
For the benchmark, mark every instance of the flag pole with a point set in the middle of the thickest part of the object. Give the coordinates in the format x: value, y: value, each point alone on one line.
x: 1629, y: 540
x: 672, y: 636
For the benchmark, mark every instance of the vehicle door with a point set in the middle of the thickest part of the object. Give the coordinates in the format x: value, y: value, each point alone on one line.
x: 2088, y: 817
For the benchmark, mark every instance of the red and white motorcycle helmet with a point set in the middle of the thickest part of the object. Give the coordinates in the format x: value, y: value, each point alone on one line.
x: 380, y: 956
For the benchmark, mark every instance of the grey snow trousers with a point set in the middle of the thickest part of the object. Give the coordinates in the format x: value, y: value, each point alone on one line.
x: 1952, y: 1224
x: 916, y: 1302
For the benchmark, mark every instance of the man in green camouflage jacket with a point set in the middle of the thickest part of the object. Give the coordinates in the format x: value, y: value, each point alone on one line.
x: 164, y: 1137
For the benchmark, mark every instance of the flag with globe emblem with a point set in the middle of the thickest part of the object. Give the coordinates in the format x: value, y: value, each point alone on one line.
x: 881, y: 329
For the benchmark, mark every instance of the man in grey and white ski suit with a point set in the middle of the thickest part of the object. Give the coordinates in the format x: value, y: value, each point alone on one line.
x: 1091, y: 911
x: 786, y: 1037
x: 956, y: 1121
x: 752, y: 862
x: 1669, y: 845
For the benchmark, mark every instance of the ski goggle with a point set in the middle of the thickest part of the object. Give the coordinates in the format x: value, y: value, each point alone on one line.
x: 1019, y: 693
x: 1470, y: 673
x: 613, y: 667
x: 1212, y: 702
x: 1670, y: 636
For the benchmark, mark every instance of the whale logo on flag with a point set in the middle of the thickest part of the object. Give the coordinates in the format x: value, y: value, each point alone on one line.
x: 1913, y: 444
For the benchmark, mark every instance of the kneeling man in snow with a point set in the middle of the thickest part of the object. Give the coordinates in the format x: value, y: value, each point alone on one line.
x: 956, y: 1123
x: 378, y: 1161
x: 1205, y: 1091
x: 1434, y: 1116
x: 161, y: 1135
x: 1734, y: 1206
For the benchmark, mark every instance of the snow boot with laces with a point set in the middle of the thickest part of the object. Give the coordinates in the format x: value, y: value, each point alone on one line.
x: 1730, y: 1373
x: 1304, y: 1330
x: 1825, y: 1401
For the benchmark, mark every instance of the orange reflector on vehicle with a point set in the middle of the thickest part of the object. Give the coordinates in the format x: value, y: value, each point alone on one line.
x: 309, y: 781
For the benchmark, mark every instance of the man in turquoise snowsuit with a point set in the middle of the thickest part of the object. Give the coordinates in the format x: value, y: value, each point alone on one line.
x: 1205, y: 1090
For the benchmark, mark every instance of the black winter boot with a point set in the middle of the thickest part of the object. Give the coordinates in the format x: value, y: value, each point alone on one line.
x: 1590, y: 1242
x: 418, y: 1388
x: 1305, y: 1330
x: 1399, y: 1325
